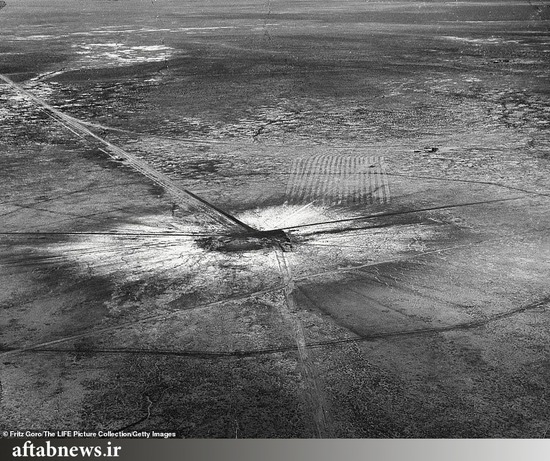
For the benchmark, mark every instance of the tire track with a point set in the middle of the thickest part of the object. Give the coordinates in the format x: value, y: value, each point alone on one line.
x: 367, y: 161
x: 309, y: 374
x: 338, y: 180
x: 182, y: 196
x: 297, y: 169
x: 330, y: 184
x: 385, y: 182
x: 5, y: 351
x: 316, y: 185
x: 281, y: 349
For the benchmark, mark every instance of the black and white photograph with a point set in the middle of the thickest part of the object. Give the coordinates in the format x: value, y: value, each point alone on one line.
x: 274, y: 219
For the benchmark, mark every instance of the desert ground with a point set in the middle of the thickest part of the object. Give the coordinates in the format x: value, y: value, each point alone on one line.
x: 399, y: 151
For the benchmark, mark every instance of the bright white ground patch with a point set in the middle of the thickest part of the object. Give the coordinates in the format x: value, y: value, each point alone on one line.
x: 119, y: 54
x: 285, y: 216
x: 152, y: 249
x: 324, y: 227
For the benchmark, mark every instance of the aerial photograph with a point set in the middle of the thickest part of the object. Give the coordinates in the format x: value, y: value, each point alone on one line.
x: 287, y: 219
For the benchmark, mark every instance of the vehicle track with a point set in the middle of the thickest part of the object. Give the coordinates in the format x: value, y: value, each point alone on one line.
x: 338, y: 180
x: 182, y: 197
x: 266, y: 351
x: 288, y: 311
x: 5, y: 351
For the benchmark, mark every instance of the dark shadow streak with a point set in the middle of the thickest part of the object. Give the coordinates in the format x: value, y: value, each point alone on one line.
x: 399, y: 213
x: 351, y: 229
x: 116, y: 234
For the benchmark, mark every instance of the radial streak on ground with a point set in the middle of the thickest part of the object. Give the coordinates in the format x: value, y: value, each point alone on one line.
x: 309, y: 375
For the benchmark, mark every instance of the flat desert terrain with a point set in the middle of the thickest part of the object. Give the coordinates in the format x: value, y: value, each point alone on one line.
x: 277, y: 218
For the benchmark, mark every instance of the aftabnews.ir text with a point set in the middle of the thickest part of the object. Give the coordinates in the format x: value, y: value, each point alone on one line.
x: 47, y: 450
